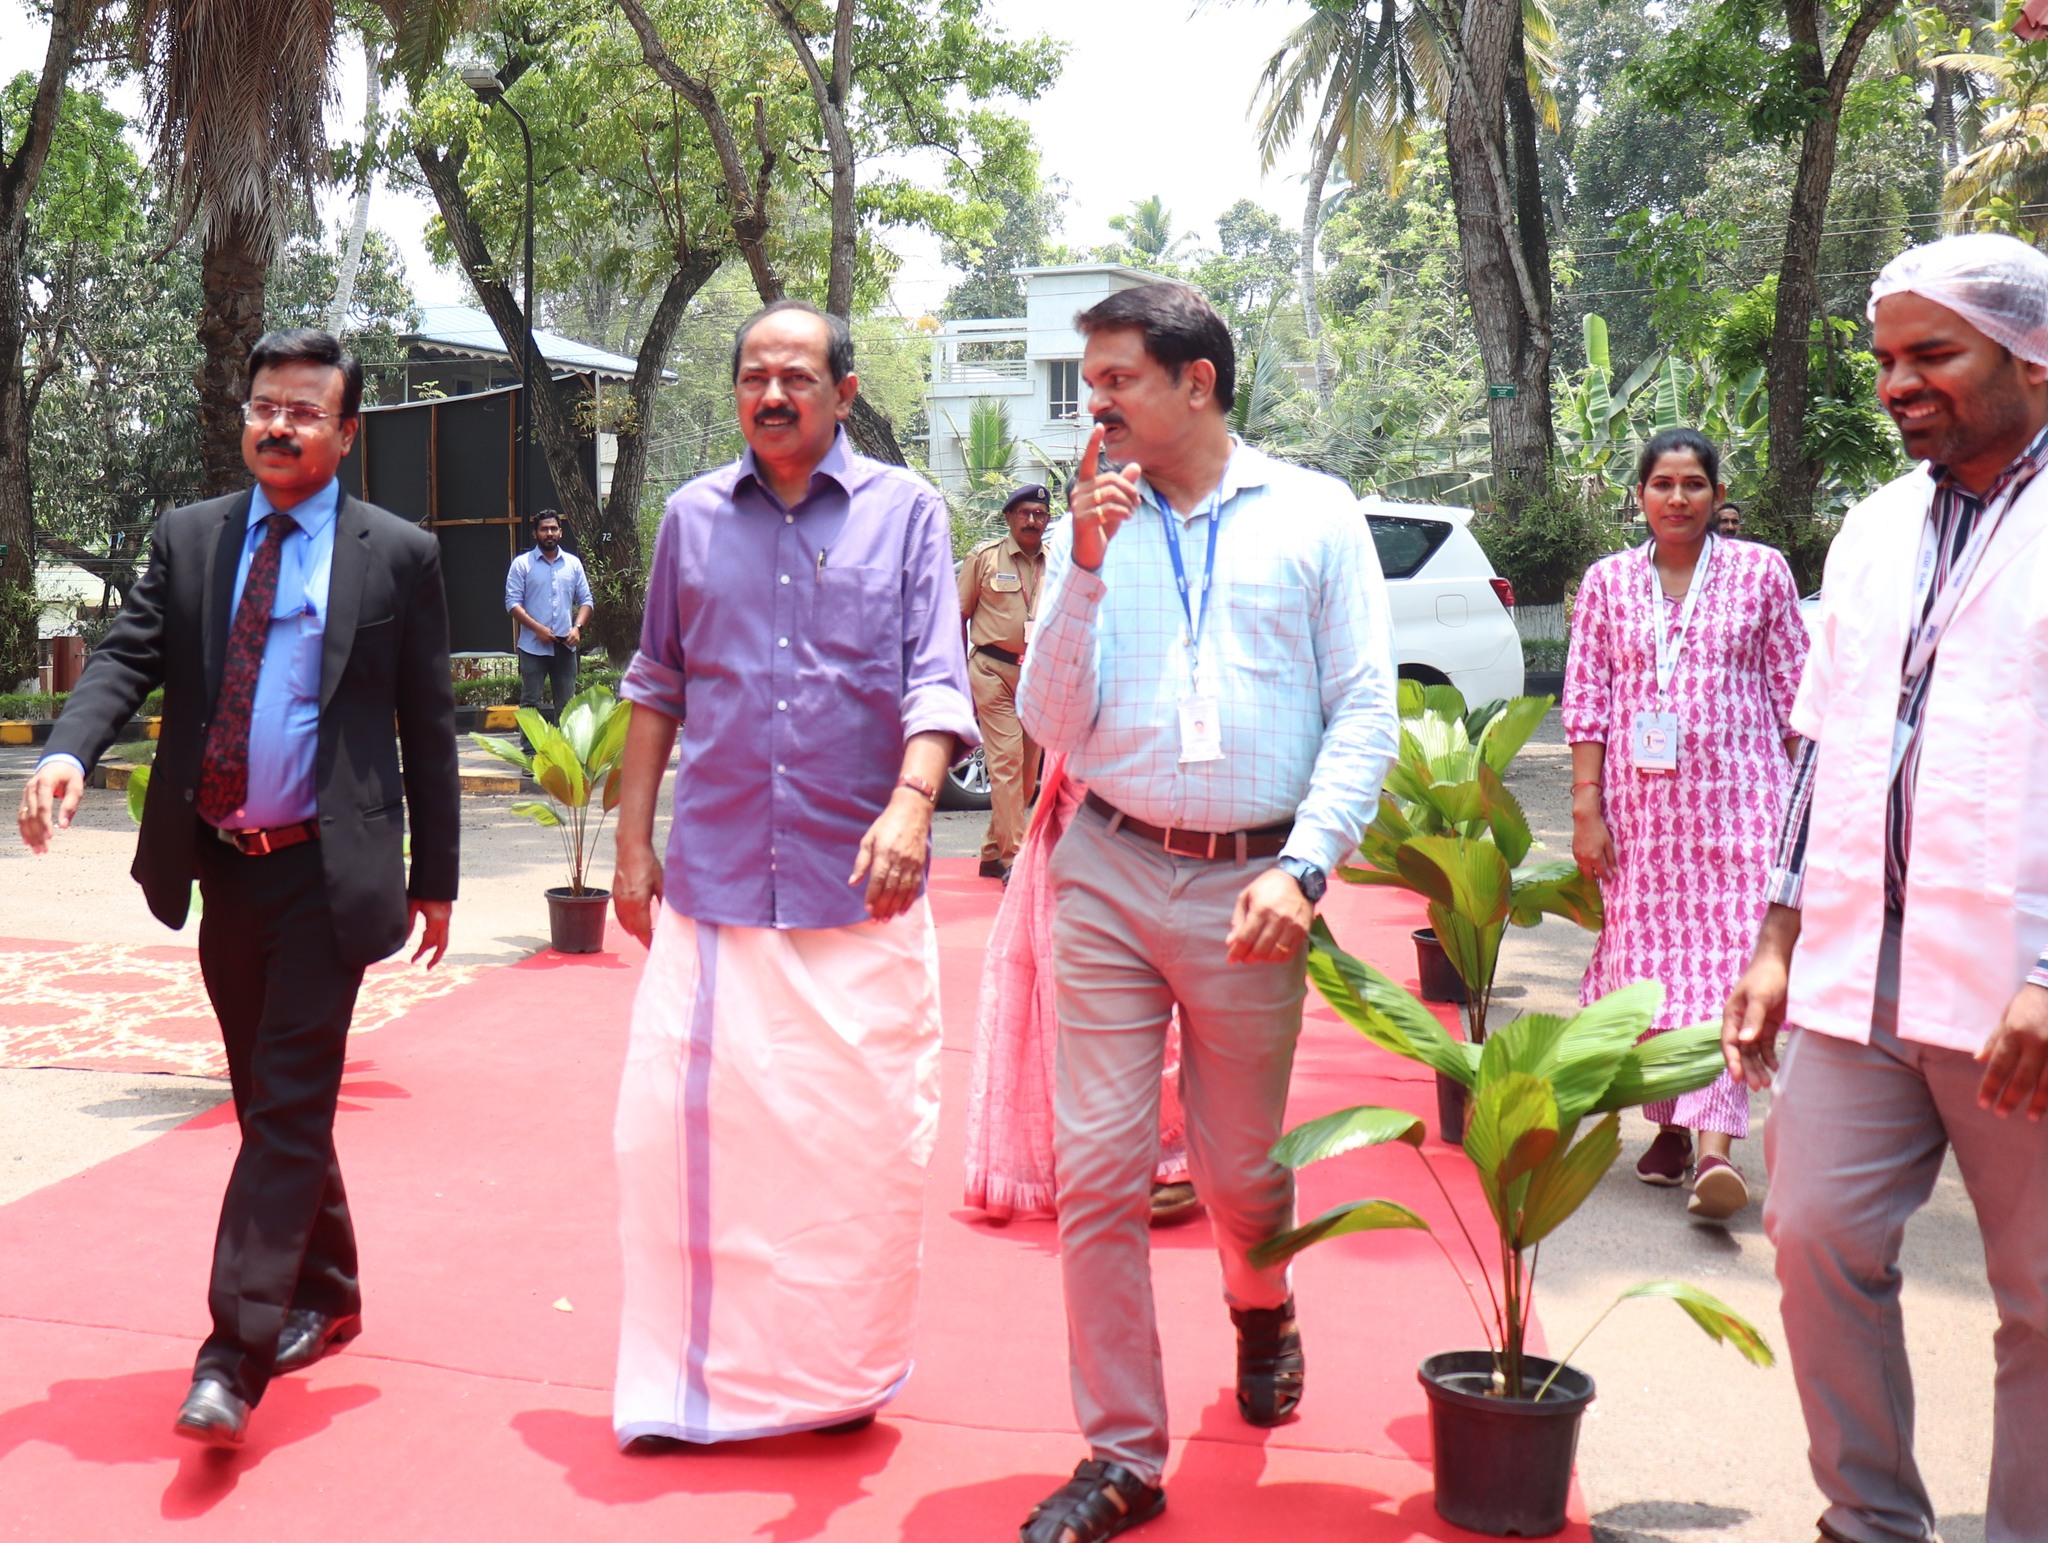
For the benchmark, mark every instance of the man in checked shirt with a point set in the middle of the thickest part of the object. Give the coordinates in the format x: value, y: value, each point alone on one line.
x: 1913, y: 882
x: 1214, y: 654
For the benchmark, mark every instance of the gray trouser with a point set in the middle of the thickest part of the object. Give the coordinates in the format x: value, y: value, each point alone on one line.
x: 1135, y: 932
x: 558, y: 670
x: 1854, y: 1142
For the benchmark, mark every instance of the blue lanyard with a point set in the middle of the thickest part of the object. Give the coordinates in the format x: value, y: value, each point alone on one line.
x: 1196, y: 614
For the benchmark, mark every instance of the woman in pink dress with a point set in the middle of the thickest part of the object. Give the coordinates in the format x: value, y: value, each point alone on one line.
x: 1009, y: 1107
x: 1685, y: 657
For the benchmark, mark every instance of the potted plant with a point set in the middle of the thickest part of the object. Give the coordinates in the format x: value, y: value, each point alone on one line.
x: 576, y: 762
x: 1504, y: 1422
x: 1449, y: 830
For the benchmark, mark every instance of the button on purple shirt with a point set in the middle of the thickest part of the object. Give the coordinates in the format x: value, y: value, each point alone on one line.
x: 800, y: 649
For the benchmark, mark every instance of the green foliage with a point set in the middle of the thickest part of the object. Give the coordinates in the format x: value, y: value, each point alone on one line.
x: 1532, y: 1089
x: 1546, y: 546
x: 1449, y: 830
x: 577, y: 761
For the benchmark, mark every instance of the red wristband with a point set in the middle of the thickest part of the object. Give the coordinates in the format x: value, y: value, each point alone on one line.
x: 1588, y: 783
x: 919, y: 785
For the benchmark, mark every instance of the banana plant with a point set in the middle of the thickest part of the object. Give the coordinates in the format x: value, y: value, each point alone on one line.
x: 1532, y: 1087
x: 1449, y: 830
x: 577, y: 761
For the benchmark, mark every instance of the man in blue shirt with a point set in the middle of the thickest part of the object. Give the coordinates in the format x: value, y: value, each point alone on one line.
x: 301, y: 640
x: 549, y: 596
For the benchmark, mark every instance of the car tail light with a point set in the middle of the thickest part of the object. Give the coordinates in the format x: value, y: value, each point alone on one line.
x: 1505, y: 590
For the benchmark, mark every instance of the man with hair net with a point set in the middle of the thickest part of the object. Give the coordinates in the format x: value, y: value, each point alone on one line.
x: 1904, y: 948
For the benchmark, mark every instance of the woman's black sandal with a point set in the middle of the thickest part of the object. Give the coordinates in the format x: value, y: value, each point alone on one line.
x: 1099, y: 1501
x: 1270, y: 1365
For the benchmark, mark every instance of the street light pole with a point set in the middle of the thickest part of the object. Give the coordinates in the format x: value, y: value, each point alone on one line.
x: 490, y: 91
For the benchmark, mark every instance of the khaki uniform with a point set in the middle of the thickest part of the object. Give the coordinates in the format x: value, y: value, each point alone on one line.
x: 999, y: 588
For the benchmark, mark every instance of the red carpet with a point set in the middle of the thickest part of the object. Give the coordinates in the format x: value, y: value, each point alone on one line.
x: 475, y: 1136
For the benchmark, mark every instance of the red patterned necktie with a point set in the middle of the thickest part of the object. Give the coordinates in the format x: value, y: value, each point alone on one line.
x: 224, y: 779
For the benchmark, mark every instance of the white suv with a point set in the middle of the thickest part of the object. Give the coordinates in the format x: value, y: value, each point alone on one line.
x: 1453, y: 619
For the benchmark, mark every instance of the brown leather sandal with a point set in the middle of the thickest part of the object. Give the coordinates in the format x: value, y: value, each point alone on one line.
x: 1099, y: 1501
x: 1270, y: 1365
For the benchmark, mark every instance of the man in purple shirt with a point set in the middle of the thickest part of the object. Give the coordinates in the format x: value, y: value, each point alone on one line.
x: 780, y: 1093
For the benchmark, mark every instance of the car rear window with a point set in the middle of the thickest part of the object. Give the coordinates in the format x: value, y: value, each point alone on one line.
x: 1404, y: 544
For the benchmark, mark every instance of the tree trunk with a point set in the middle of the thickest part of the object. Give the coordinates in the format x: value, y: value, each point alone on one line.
x: 618, y: 567
x: 19, y: 174
x: 359, y: 225
x: 1794, y: 477
x: 1513, y: 335
x: 549, y: 410
x: 1311, y: 229
x: 1533, y: 233
x: 234, y: 269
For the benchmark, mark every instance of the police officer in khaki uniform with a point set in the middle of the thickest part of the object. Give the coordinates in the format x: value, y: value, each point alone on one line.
x: 999, y: 587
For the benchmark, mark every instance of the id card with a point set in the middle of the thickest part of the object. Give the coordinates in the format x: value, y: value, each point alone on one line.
x: 1653, y: 742
x: 1005, y: 583
x: 1201, y: 729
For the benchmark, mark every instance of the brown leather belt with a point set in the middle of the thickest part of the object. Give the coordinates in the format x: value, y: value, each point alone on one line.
x: 998, y: 653
x: 1264, y: 842
x: 261, y: 843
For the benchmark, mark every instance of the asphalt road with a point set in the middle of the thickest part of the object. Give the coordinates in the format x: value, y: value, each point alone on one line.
x: 1686, y: 1443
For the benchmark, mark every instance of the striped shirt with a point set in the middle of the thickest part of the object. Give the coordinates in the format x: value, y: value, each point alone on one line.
x: 1296, y: 649
x: 1955, y: 514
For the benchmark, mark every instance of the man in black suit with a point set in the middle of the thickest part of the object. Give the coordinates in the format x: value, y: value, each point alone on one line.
x: 290, y: 627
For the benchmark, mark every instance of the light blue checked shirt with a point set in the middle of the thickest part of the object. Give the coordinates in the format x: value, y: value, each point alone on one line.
x: 1297, y: 648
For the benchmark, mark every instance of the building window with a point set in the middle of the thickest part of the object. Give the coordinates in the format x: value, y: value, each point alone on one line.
x: 1063, y: 391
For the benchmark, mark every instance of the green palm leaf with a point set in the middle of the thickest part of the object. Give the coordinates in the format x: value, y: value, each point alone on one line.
x: 1716, y: 1318
x: 1353, y: 1216
x: 1560, y: 1186
x: 1664, y: 1067
x: 1383, y: 1012
x: 504, y: 751
x: 1346, y: 1131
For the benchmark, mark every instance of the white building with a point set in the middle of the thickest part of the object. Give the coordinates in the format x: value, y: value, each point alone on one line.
x: 1029, y: 364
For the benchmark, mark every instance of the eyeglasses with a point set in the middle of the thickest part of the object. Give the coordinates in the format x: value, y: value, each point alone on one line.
x: 260, y: 414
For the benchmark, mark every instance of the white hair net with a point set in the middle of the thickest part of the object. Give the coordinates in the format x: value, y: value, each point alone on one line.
x: 1998, y: 284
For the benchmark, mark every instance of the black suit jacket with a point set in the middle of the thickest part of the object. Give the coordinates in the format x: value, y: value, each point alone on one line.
x: 384, y: 662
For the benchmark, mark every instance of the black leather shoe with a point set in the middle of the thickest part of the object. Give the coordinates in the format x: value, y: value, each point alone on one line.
x: 308, y: 1335
x: 1270, y: 1365
x: 995, y: 868
x: 212, y: 1415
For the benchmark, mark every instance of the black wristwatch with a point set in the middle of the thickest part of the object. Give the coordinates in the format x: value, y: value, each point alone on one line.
x: 1313, y: 881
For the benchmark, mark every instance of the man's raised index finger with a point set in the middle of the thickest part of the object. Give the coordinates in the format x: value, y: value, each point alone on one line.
x: 1091, y: 458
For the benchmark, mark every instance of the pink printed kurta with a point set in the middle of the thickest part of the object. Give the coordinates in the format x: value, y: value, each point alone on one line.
x: 1010, y: 1087
x: 1693, y: 850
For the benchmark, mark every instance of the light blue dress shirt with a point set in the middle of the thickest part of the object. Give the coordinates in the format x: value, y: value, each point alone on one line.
x: 284, y: 722
x: 549, y: 591
x: 1296, y: 651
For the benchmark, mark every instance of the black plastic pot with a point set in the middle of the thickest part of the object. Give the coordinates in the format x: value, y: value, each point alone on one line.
x: 1435, y: 973
x: 1450, y: 1109
x: 576, y: 922
x: 1503, y: 1465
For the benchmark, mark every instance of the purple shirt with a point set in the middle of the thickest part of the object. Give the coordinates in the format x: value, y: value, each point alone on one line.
x: 800, y: 649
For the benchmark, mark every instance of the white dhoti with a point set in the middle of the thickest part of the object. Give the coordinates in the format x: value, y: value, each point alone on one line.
x: 778, y: 1108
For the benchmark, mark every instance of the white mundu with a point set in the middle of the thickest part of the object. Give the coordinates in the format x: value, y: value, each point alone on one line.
x: 1976, y: 915
x: 780, y: 1100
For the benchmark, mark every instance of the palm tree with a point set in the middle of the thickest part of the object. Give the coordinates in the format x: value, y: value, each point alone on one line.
x: 1376, y: 72
x: 1148, y: 231
x: 237, y: 90
x: 2003, y: 182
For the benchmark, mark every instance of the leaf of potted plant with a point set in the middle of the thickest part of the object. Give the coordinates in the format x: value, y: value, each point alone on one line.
x: 576, y: 761
x: 1449, y: 830
x: 1504, y: 1422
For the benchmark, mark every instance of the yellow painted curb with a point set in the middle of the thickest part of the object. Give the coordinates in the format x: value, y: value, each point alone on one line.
x: 499, y: 718
x: 153, y: 728
x: 111, y: 775
x: 489, y: 782
x: 17, y: 733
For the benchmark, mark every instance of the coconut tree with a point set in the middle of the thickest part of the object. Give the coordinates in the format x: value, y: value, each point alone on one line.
x: 1374, y: 72
x: 1147, y: 229
x: 237, y: 90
